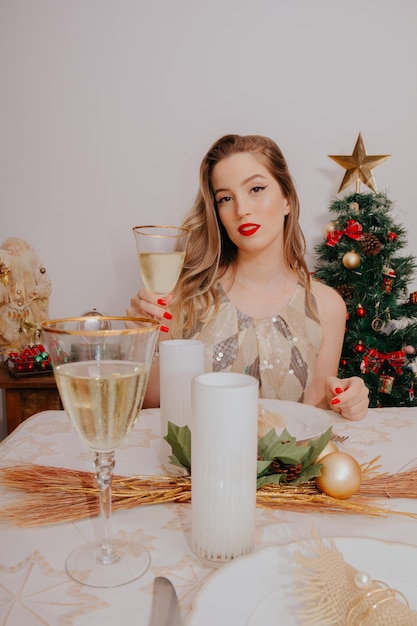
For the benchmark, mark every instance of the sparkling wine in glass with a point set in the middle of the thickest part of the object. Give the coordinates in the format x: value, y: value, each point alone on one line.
x: 101, y: 368
x: 161, y: 253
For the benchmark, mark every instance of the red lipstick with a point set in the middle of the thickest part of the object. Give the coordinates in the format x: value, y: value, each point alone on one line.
x: 248, y: 229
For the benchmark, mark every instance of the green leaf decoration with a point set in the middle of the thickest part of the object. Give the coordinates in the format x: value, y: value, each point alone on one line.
x: 312, y: 471
x: 283, y: 451
x: 283, y: 446
x: 262, y: 467
x: 271, y: 479
x: 179, y: 438
x: 316, y: 446
x: 280, y: 458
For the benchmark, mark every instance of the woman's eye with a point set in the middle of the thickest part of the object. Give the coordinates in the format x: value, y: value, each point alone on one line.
x: 224, y: 199
x: 257, y: 189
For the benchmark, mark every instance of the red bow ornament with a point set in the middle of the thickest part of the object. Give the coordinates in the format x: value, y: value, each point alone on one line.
x: 352, y: 230
x: 374, y: 360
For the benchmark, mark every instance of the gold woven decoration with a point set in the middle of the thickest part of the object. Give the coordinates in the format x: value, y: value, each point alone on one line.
x: 330, y: 592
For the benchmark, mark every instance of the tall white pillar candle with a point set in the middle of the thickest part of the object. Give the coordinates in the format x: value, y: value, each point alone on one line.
x: 223, y: 465
x: 179, y: 361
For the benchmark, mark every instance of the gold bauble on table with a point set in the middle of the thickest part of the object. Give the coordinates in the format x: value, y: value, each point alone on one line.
x: 329, y: 449
x: 351, y: 260
x: 340, y: 476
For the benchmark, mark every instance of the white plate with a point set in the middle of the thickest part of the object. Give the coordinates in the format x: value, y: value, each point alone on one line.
x: 254, y: 590
x: 302, y: 421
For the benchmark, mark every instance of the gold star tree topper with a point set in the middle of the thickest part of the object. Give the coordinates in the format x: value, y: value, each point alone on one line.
x: 359, y: 166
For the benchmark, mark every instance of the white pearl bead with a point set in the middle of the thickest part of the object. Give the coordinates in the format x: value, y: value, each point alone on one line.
x: 362, y: 579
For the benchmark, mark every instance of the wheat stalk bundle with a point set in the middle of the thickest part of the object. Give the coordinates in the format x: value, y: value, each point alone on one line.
x: 54, y: 494
x: 50, y: 494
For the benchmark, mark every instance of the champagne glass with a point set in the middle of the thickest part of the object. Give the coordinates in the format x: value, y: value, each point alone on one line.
x: 161, y: 253
x: 101, y: 367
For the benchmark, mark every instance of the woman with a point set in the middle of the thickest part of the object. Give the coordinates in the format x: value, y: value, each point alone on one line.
x: 245, y: 289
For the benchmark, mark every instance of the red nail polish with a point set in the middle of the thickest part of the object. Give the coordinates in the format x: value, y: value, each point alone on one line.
x: 335, y: 401
x: 162, y: 302
x: 167, y: 315
x: 164, y: 329
x: 338, y: 390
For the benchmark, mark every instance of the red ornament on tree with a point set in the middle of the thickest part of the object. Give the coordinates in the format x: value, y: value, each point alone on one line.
x: 359, y: 348
x: 360, y: 311
x: 392, y: 236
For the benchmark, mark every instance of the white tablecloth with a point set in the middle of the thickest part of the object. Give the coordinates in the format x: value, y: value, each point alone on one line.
x: 34, y: 586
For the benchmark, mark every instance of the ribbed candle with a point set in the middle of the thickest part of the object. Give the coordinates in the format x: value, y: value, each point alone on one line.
x: 179, y: 361
x: 223, y: 464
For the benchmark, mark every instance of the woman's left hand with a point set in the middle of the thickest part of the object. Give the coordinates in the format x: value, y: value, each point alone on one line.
x: 348, y: 396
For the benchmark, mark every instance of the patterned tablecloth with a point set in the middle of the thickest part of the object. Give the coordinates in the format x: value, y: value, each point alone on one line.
x: 34, y: 587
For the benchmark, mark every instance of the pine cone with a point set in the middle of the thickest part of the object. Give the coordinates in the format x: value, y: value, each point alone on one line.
x: 345, y: 291
x: 292, y: 471
x: 371, y: 246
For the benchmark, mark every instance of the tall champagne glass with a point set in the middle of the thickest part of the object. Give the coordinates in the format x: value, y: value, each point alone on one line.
x: 101, y: 367
x: 161, y: 252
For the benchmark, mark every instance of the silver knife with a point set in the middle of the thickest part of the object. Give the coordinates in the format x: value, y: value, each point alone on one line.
x: 165, y: 606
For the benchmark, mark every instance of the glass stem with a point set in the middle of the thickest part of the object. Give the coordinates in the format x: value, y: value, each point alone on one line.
x: 104, y: 464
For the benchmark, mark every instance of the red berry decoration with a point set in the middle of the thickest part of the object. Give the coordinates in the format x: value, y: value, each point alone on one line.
x: 392, y: 236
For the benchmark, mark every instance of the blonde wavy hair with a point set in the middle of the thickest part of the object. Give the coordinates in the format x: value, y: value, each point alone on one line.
x: 210, y: 251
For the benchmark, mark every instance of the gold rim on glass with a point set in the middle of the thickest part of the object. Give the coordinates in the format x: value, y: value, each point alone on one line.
x: 179, y: 230
x: 53, y: 326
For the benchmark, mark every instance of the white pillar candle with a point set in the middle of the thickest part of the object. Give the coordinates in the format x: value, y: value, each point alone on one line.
x: 179, y: 361
x: 223, y: 465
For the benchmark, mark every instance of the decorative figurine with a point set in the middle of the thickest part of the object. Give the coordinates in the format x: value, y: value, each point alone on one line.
x: 24, y: 296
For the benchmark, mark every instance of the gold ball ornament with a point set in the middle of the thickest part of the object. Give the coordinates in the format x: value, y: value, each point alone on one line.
x: 351, y: 260
x: 340, y: 476
x: 329, y: 449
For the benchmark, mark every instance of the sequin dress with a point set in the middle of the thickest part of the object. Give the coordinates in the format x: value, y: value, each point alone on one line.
x: 280, y: 351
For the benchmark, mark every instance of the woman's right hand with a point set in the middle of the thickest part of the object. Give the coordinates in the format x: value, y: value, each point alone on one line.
x: 148, y: 304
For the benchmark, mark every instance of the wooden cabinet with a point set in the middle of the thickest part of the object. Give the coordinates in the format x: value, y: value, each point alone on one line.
x: 27, y: 395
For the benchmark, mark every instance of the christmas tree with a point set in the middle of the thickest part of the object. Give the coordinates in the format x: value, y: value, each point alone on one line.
x: 360, y: 258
